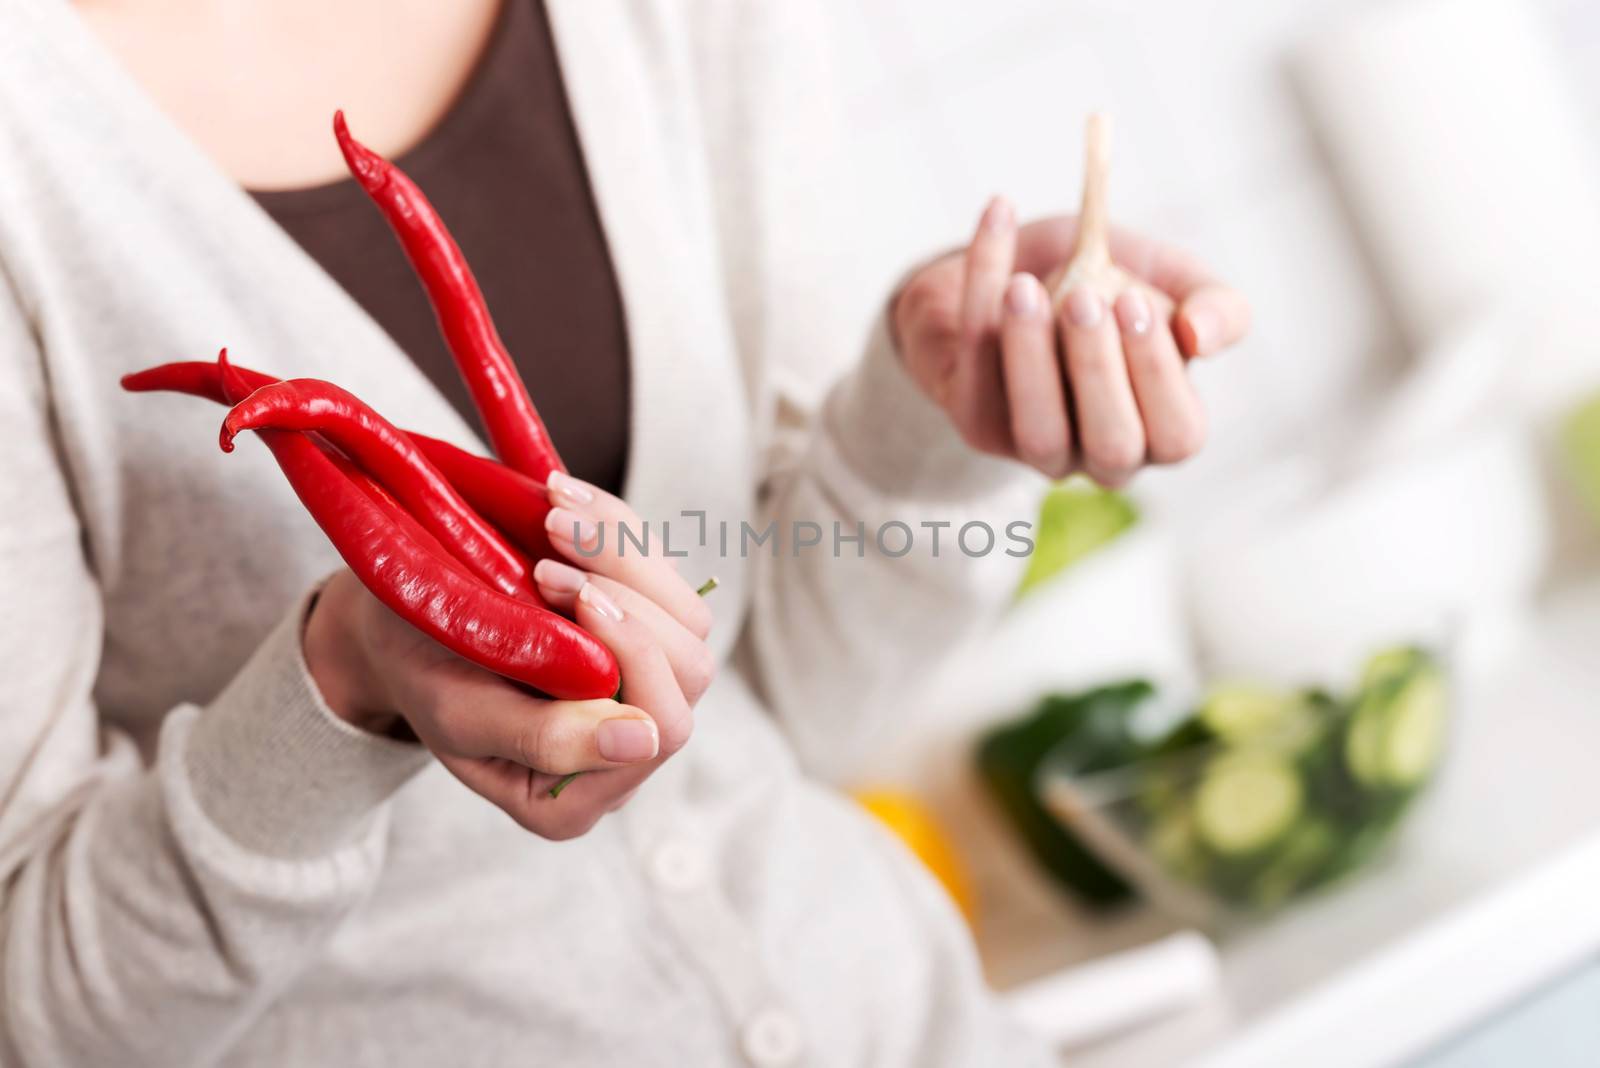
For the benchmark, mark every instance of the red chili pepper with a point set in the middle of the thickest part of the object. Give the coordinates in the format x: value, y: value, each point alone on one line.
x: 393, y: 459
x: 515, y: 430
x: 510, y: 500
x: 405, y: 564
x: 514, y: 638
x: 517, y: 639
x: 235, y: 383
x: 198, y: 378
x: 513, y: 502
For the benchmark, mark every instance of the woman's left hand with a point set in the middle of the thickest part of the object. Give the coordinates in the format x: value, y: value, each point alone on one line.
x: 1085, y: 387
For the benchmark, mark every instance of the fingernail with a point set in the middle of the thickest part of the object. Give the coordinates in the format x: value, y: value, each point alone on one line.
x: 1133, y: 312
x: 570, y: 526
x: 1084, y: 308
x: 996, y: 215
x: 570, y: 490
x: 562, y: 578
x: 1022, y: 295
x: 627, y: 741
x: 591, y: 596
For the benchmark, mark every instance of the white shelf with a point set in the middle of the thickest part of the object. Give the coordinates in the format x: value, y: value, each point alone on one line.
x: 1492, y: 893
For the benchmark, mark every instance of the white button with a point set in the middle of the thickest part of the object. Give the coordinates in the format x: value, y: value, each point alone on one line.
x: 678, y: 864
x: 771, y: 1039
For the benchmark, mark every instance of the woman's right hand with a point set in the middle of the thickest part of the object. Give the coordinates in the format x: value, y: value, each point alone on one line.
x: 379, y: 673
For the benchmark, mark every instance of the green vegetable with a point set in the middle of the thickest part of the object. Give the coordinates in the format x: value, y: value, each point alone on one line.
x: 1258, y: 796
x: 1363, y: 747
x: 1580, y: 441
x: 1416, y: 731
x: 1241, y: 709
x: 1076, y: 518
x: 1245, y: 713
x: 1246, y: 800
x: 1297, y: 865
x: 1361, y: 845
x: 1397, y: 730
x: 1172, y: 841
x: 1188, y: 733
x: 1388, y: 665
x: 1087, y: 732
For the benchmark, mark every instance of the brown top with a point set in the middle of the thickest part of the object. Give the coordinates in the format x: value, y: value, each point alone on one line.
x: 506, y: 172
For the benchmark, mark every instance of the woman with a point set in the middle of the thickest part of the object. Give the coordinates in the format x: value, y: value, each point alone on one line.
x: 249, y: 817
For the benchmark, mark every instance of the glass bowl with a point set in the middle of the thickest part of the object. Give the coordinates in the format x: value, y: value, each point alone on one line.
x: 1261, y: 796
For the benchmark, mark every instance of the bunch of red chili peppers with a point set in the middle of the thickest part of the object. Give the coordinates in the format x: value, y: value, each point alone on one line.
x: 445, y: 538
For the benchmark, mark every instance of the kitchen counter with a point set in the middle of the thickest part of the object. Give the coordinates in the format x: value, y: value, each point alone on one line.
x: 1490, y: 895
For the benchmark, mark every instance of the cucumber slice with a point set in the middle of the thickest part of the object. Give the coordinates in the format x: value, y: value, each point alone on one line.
x: 1363, y: 744
x: 1290, y: 723
x: 1389, y: 664
x: 1246, y: 801
x: 1239, y: 710
x: 1398, y: 729
x: 1411, y: 746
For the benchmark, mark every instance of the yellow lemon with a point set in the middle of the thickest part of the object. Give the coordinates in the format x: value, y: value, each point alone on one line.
x: 914, y: 824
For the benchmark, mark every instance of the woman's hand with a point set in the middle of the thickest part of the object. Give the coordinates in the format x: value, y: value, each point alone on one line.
x: 379, y: 673
x: 1089, y: 388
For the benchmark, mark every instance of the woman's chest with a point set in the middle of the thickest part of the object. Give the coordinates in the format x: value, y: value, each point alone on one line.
x: 196, y: 553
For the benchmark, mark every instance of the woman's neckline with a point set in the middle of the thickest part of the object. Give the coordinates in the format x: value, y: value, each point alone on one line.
x: 471, y: 105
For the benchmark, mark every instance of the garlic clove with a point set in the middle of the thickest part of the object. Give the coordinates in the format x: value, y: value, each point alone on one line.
x: 1090, y: 264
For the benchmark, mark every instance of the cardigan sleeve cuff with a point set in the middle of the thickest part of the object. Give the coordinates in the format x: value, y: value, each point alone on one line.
x: 898, y: 441
x: 275, y: 770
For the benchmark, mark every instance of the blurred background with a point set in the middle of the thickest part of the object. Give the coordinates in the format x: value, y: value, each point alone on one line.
x: 1353, y: 818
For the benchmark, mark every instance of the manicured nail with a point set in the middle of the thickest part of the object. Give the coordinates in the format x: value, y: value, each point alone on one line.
x: 1084, y: 308
x: 570, y: 490
x: 559, y: 577
x: 570, y: 526
x: 1022, y: 295
x: 1133, y: 312
x: 627, y: 741
x: 591, y: 596
x: 996, y: 215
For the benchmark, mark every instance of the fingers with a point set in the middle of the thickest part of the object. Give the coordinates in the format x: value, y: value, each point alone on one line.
x: 692, y: 663
x: 1109, y: 426
x: 1211, y: 318
x: 516, y: 772
x: 988, y: 268
x: 648, y: 681
x: 492, y: 718
x: 977, y: 395
x: 601, y: 534
x: 525, y: 795
x: 926, y: 318
x: 1174, y: 423
x: 1035, y: 393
